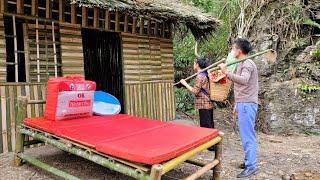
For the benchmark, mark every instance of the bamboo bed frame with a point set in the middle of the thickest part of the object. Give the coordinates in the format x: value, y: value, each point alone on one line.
x: 135, y: 170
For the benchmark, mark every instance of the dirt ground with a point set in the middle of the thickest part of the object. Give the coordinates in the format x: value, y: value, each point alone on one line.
x: 293, y: 157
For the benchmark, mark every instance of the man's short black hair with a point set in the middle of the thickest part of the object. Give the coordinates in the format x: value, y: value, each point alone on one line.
x: 244, y: 45
x: 203, y: 62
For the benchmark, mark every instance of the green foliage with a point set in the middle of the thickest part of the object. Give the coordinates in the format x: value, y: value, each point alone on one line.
x: 215, y: 48
x: 316, y: 54
x: 312, y: 133
x: 309, y: 89
x: 311, y: 23
x: 184, y: 101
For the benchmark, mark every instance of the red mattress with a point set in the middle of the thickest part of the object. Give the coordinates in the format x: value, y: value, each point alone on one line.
x: 127, y: 137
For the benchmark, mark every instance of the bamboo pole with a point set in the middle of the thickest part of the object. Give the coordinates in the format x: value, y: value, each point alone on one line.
x: 203, y: 70
x: 218, y: 155
x: 15, y: 42
x: 54, y: 51
x: 213, y: 67
x: 47, y: 167
x: 243, y: 59
x: 21, y: 114
x: 156, y: 172
x: 178, y: 160
x: 203, y: 170
x: 38, y: 53
x: 98, y: 159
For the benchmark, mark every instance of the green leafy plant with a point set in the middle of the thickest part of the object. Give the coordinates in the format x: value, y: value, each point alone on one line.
x: 311, y: 23
x: 184, y: 101
x: 309, y: 89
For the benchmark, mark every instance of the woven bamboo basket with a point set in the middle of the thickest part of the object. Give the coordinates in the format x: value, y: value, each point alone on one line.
x: 220, y: 86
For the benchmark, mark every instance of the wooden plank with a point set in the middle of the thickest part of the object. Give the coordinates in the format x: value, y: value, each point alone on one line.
x: 4, y: 120
x: 34, y: 7
x: 95, y: 17
x: 84, y: 16
x: 20, y: 6
x: 48, y: 9
x: 61, y: 10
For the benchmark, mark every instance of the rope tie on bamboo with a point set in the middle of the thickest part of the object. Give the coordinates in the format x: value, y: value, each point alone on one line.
x: 87, y: 151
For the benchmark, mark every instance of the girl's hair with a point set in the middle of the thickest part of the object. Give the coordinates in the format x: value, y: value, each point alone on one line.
x: 203, y: 62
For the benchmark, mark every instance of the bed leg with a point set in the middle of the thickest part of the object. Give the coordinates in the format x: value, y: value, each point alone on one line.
x: 156, y: 172
x: 218, y: 155
x: 22, y: 106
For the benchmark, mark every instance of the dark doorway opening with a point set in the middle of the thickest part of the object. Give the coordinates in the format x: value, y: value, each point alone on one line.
x: 103, y: 61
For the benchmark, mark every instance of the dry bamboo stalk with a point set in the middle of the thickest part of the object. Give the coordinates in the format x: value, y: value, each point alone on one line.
x: 38, y: 53
x: 54, y: 51
x: 12, y: 118
x: 34, y: 7
x: 4, y: 120
x: 22, y: 103
x: 61, y: 10
x: 203, y: 170
x: 26, y: 49
x: 15, y: 49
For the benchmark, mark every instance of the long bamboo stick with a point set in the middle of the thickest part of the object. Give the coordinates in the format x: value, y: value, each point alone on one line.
x: 213, y: 67
x: 203, y: 70
x: 15, y: 49
x: 243, y: 59
x: 203, y: 170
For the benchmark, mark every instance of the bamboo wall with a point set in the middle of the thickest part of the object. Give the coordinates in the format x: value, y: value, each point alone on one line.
x: 8, y: 102
x: 71, y: 49
x: 3, y: 68
x: 148, y: 77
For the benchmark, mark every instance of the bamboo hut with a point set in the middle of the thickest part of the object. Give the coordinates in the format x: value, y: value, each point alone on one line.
x: 125, y: 46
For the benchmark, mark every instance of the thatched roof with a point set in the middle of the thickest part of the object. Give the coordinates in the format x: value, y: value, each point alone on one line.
x: 179, y: 14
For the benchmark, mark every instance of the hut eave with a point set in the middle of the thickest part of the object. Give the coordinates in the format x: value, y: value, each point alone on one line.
x: 181, y: 15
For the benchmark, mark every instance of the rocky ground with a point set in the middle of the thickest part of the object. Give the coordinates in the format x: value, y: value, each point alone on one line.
x: 291, y: 157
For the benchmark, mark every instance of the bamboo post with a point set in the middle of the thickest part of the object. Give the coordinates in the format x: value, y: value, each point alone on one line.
x: 54, y: 51
x: 38, y: 51
x: 47, y: 167
x: 156, y: 172
x: 3, y: 6
x: 218, y: 156
x: 20, y: 6
x: 26, y: 50
x: 21, y: 114
x: 134, y: 25
x: 48, y: 9
x: 95, y: 17
x: 15, y: 42
x: 84, y: 12
x: 73, y: 13
x: 34, y: 8
x: 61, y: 10
x: 106, y: 20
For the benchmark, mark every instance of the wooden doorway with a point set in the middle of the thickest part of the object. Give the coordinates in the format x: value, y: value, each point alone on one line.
x: 103, y: 61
